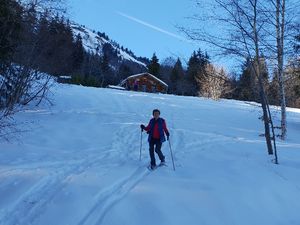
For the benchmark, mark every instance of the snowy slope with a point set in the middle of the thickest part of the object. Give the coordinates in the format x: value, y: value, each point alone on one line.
x: 92, y: 42
x: 79, y: 164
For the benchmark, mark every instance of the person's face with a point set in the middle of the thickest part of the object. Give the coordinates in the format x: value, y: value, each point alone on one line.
x: 156, y: 115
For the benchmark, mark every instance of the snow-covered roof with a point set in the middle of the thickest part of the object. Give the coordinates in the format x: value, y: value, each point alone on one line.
x: 141, y: 74
x: 65, y: 77
x: 116, y: 87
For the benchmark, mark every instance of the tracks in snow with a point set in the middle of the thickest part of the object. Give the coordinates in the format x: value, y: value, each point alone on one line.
x: 110, y: 196
x: 33, y: 203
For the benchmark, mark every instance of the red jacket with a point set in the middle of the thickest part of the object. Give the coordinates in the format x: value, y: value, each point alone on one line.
x: 156, y: 133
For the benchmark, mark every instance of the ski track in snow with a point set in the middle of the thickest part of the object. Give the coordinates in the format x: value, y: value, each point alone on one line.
x: 113, y: 194
x: 31, y: 204
x: 105, y: 199
x: 122, y: 150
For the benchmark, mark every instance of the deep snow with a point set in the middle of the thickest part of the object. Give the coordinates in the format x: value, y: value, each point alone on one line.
x: 79, y: 163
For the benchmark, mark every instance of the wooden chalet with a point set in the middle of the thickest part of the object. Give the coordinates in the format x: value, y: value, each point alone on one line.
x: 145, y: 82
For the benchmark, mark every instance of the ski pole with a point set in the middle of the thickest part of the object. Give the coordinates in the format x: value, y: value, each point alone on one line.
x: 171, y: 154
x: 141, y: 144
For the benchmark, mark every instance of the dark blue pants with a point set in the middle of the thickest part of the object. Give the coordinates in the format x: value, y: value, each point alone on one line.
x: 155, y: 145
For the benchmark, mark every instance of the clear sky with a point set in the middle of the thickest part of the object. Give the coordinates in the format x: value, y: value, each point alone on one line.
x: 144, y: 26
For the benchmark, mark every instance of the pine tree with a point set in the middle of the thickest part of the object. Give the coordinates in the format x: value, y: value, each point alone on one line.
x: 196, y: 71
x: 124, y: 71
x: 59, y: 48
x: 10, y: 27
x: 105, y: 63
x: 248, y: 82
x: 154, y: 66
x: 192, y: 70
x: 27, y: 41
x: 42, y: 43
x: 273, y: 91
x: 177, y: 76
x: 78, y: 53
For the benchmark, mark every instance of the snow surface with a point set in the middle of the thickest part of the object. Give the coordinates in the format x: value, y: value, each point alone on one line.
x: 79, y: 163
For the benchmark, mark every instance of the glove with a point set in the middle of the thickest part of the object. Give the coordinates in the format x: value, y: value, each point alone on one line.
x: 168, y: 136
x: 143, y: 127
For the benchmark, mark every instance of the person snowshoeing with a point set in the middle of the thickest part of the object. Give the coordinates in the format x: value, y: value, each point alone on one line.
x: 156, y: 129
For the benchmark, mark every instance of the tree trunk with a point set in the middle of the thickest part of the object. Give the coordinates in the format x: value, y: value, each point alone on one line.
x: 265, y: 116
x: 273, y: 133
x: 280, y: 26
x: 261, y: 85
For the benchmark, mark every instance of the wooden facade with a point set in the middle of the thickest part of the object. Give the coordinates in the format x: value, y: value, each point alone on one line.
x: 145, y: 82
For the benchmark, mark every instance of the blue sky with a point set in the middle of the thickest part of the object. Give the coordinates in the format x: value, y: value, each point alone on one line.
x: 143, y: 26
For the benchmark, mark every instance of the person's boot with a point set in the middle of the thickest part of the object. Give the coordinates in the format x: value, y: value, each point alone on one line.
x: 162, y: 163
x: 152, y: 167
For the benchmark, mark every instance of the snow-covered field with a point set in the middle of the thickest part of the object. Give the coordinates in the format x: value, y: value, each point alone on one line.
x: 79, y: 164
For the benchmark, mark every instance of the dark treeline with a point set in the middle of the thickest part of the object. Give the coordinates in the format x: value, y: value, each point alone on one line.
x: 47, y: 44
x: 247, y: 84
x: 198, y: 78
x: 202, y: 78
x: 42, y: 42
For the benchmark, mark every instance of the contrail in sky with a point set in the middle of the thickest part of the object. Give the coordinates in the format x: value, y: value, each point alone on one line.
x: 152, y: 26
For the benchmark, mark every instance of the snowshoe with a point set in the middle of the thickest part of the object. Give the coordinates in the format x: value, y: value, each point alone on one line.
x: 152, y: 167
x: 162, y: 164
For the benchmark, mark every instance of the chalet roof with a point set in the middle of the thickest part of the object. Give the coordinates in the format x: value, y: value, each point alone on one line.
x: 115, y: 87
x: 65, y: 77
x: 141, y: 74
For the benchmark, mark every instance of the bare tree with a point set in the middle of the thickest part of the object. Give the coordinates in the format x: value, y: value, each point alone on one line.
x: 292, y: 82
x: 213, y: 82
x: 281, y: 17
x: 242, y: 36
x: 20, y: 84
x: 280, y: 29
